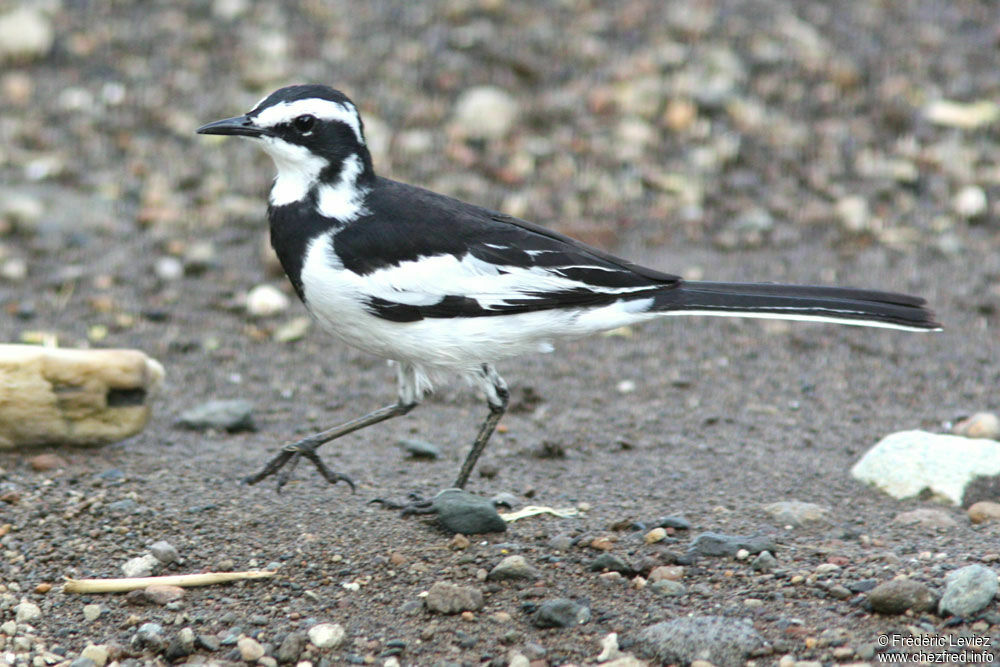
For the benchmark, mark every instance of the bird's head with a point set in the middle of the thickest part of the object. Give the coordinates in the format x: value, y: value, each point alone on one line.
x: 313, y: 133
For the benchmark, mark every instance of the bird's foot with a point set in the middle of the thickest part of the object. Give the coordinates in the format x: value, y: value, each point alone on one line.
x: 416, y: 504
x: 284, y: 463
x: 457, y: 511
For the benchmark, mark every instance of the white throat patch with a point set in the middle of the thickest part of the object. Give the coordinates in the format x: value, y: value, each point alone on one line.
x: 284, y: 112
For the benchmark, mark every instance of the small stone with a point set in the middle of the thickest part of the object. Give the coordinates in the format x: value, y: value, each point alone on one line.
x: 182, y: 645
x: 419, y: 449
x: 14, y: 269
x: 327, y: 635
x: 229, y: 415
x: 149, y: 637
x: 896, y: 596
x: 963, y: 115
x: 292, y: 330
x: 984, y: 511
x: 46, y: 462
x: 968, y: 590
x: 796, y: 513
x: 168, y: 269
x: 484, y: 112
x: 91, y: 612
x: 979, y: 425
x: 291, y: 647
x: 718, y: 639
x: 162, y: 594
x: 26, y: 612
x: 658, y: 534
x: 512, y: 568
x: 79, y: 662
x: 9, y: 628
x: 560, y: 613
x: 25, y: 34
x: 141, y: 566
x: 611, y: 563
x: 853, y: 213
x: 720, y: 544
x: 675, y: 522
x: 667, y: 572
x: 266, y: 300
x: 164, y: 552
x: 446, y: 598
x: 668, y: 587
x: 970, y: 202
x: 926, y: 517
x: 764, y: 562
x: 98, y: 653
x: 250, y: 649
x: 462, y: 512
x: 459, y: 542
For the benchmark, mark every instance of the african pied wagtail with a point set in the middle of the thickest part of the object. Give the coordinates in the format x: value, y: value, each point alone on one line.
x: 438, y: 285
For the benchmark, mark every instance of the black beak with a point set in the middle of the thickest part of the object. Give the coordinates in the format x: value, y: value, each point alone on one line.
x: 240, y: 125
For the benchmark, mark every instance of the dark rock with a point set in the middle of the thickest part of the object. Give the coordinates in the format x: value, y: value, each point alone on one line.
x: 149, y: 637
x: 231, y: 416
x: 723, y: 641
x: 462, y: 512
x: 611, y: 563
x: 291, y: 648
x: 720, y: 544
x: 896, y: 596
x: 164, y: 552
x: 419, y: 449
x: 764, y: 562
x: 675, y: 522
x: 207, y: 642
x: 560, y: 613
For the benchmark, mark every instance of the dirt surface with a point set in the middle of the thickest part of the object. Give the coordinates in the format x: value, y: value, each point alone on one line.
x: 723, y: 140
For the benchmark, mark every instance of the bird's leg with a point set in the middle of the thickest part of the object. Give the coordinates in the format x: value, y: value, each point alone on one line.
x: 497, y: 397
x: 306, y: 447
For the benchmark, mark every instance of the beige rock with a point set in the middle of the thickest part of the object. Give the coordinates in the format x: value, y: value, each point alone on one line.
x: 51, y: 396
x: 983, y: 511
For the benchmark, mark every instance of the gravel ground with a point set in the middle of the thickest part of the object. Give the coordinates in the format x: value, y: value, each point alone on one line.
x: 787, y: 141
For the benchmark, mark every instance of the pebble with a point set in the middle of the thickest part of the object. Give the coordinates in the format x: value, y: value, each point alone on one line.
x: 163, y: 594
x: 484, y: 112
x: 560, y: 613
x: 168, y: 268
x: 9, y: 628
x: 327, y: 635
x: 675, y: 522
x: 984, y: 511
x: 671, y: 572
x: 149, y: 637
x: 512, y: 568
x: 896, y: 596
x: 46, y: 462
x: 164, y: 552
x: 462, y: 512
x: 718, y: 639
x: 141, y: 566
x: 26, y: 612
x: 14, y: 269
x: 963, y: 115
x: 905, y: 463
x: 98, y: 653
x: 25, y: 34
x: 658, y: 534
x: 291, y: 648
x: 796, y: 513
x: 250, y: 649
x: 970, y: 202
x: 968, y: 590
x: 926, y: 517
x: 720, y: 544
x: 764, y: 562
x: 266, y: 300
x: 91, y: 612
x: 222, y: 415
x: 853, y: 213
x: 447, y: 598
x: 419, y: 449
x: 609, y: 648
x: 979, y: 425
x: 668, y: 587
x: 611, y: 563
x: 181, y: 646
x: 292, y: 330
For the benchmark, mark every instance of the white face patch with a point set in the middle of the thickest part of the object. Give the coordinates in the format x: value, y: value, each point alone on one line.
x: 285, y: 112
x: 298, y: 170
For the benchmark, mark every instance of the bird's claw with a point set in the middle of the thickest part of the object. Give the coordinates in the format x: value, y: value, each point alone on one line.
x: 284, y: 463
x: 417, y: 505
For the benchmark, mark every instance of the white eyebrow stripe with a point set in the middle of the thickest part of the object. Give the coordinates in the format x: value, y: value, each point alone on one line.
x: 283, y: 112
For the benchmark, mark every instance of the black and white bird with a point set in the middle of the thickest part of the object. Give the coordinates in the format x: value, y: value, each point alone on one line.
x: 442, y: 287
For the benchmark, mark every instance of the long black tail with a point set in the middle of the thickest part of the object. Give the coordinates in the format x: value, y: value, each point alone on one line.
x: 843, y: 305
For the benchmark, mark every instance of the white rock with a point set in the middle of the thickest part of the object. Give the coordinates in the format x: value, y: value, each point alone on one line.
x: 250, y: 649
x: 903, y: 464
x: 91, y: 612
x: 14, y: 269
x: 853, y: 213
x: 266, y: 300
x: 326, y: 635
x: 25, y: 33
x: 979, y: 425
x: 142, y: 566
x: 168, y: 268
x: 970, y: 202
x: 96, y: 652
x: 9, y: 628
x: 485, y: 112
x: 966, y: 116
x: 26, y: 612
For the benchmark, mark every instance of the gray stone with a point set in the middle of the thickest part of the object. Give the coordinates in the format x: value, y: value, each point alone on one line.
x: 560, y: 613
x: 796, y: 512
x: 668, y: 587
x: 764, y: 562
x: 485, y: 112
x: 445, y: 598
x: 611, y: 563
x: 164, y: 552
x: 142, y: 566
x: 896, y: 596
x: 675, y: 522
x: 968, y: 590
x: 720, y: 544
x: 181, y: 646
x: 462, y: 512
x: 512, y: 568
x: 149, y: 637
x: 228, y: 415
x: 327, y: 635
x: 291, y: 647
x: 27, y: 612
x: 419, y: 449
x: 725, y: 642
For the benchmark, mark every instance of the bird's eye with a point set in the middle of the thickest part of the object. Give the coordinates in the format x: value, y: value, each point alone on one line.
x: 304, y: 123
